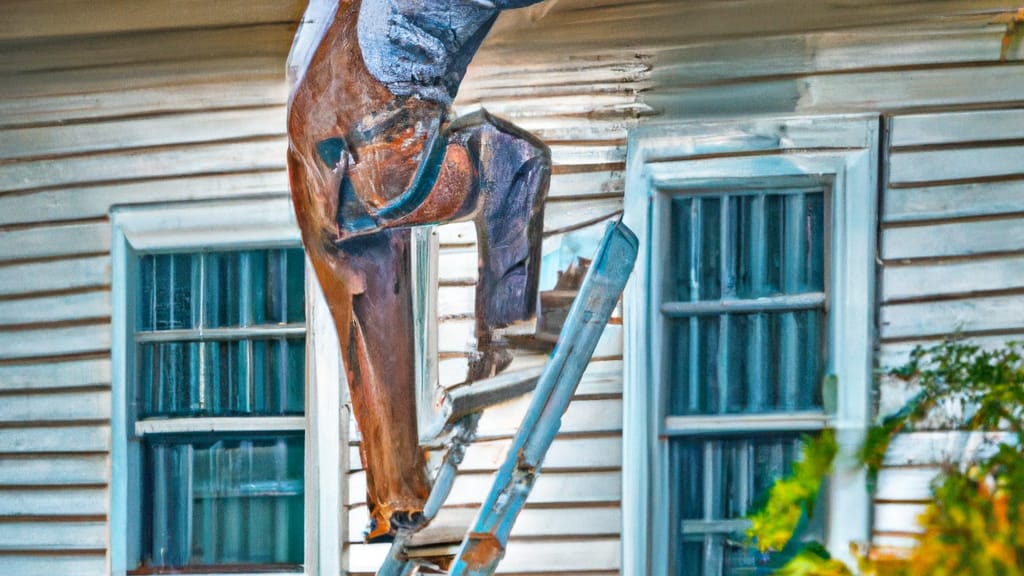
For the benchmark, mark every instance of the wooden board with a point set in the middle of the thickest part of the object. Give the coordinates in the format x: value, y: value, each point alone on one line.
x: 950, y: 127
x: 451, y: 523
x: 953, y: 201
x: 56, y: 275
x: 551, y: 488
x: 957, y: 163
x: 965, y: 315
x: 156, y: 130
x: 954, y: 238
x: 127, y: 164
x: 56, y: 407
x: 71, y: 439
x: 931, y: 280
x: 256, y: 88
x: 96, y: 200
x: 56, y: 501
x: 80, y: 17
x: 52, y: 536
x: 68, y: 374
x: 53, y: 470
x: 49, y: 309
x: 554, y: 556
x: 38, y: 342
x: 50, y: 564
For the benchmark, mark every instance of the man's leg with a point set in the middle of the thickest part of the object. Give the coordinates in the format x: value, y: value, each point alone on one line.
x: 513, y: 170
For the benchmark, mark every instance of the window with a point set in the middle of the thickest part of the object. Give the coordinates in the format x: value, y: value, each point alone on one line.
x: 758, y: 242
x: 217, y: 425
x: 220, y: 335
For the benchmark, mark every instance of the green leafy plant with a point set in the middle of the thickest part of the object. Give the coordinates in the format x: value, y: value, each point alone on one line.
x: 791, y: 502
x: 973, y: 523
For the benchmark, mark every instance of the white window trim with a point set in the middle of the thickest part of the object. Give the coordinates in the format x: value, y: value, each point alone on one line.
x: 238, y: 224
x: 841, y: 150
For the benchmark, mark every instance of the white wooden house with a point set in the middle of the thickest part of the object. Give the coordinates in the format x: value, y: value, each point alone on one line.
x: 884, y: 141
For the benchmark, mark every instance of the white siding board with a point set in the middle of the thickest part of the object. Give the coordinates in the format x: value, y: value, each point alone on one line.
x: 48, y: 565
x: 455, y: 336
x: 957, y: 277
x: 532, y: 523
x: 948, y: 317
x: 566, y: 454
x: 893, y: 354
x: 550, y: 488
x: 56, y: 240
x: 456, y: 300
x: 33, y: 20
x: 597, y: 153
x: 958, y: 163
x: 906, y: 484
x: 38, y: 342
x: 458, y: 264
x: 195, y: 46
x: 53, y: 470
x: 49, y: 407
x: 260, y: 154
x: 52, y: 536
x: 603, y: 415
x: 96, y: 201
x: 79, y: 438
x: 151, y: 131
x: 94, y: 304
x: 68, y: 374
x: 953, y: 201
x: 571, y: 213
x: 255, y: 89
x: 940, y: 446
x: 958, y: 238
x: 843, y: 92
x: 951, y: 127
x: 55, y: 501
x: 608, y: 182
x: 64, y: 274
x: 137, y: 75
x: 565, y: 555
x: 898, y: 517
x: 973, y: 40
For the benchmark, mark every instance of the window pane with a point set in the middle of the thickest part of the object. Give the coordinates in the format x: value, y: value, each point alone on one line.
x: 225, y: 502
x: 165, y: 292
x: 222, y: 289
x: 746, y: 363
x: 715, y: 482
x: 222, y: 378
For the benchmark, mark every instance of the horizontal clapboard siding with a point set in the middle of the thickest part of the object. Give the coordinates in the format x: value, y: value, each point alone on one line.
x: 952, y: 236
x: 94, y: 114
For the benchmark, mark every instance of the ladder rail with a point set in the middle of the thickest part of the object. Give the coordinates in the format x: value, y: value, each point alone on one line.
x: 484, y: 545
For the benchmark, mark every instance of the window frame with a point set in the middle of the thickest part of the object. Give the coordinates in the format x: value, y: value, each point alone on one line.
x: 839, y: 153
x: 254, y: 223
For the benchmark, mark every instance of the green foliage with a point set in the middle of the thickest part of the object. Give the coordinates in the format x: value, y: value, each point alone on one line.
x: 973, y: 524
x: 792, y: 497
x: 814, y: 560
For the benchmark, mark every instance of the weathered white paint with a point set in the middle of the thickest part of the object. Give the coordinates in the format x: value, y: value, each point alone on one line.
x: 954, y: 277
x: 959, y: 163
x: 94, y: 304
x: 57, y: 275
x: 53, y: 470
x: 67, y: 374
x: 953, y: 200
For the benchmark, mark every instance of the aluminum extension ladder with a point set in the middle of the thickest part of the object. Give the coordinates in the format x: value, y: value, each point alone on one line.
x: 553, y: 386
